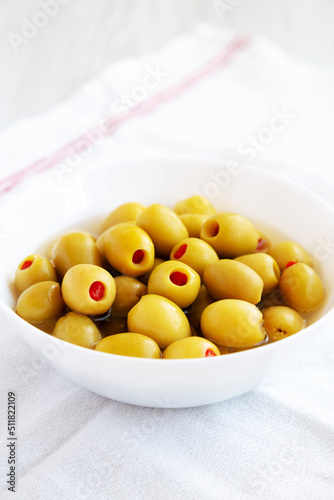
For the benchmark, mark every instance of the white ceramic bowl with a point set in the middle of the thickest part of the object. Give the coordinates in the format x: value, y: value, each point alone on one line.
x: 276, y: 206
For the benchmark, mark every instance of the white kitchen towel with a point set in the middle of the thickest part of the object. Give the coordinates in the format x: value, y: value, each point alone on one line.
x: 208, y: 93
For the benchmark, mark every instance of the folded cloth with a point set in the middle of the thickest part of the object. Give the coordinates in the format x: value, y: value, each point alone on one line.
x: 208, y: 93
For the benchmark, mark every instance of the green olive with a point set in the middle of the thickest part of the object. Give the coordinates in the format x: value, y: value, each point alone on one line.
x: 195, y: 252
x: 280, y: 322
x: 128, y: 292
x: 74, y: 248
x: 193, y: 223
x: 175, y: 281
x: 88, y: 289
x: 191, y: 347
x: 128, y: 249
x: 160, y: 319
x: 130, y: 344
x: 265, y: 266
x: 196, y: 204
x: 164, y: 227
x: 123, y: 213
x: 195, y: 310
x: 231, y: 235
x: 33, y: 269
x: 233, y: 323
x: 289, y: 251
x: 77, y: 329
x: 230, y: 279
x: 301, y: 287
x: 41, y: 302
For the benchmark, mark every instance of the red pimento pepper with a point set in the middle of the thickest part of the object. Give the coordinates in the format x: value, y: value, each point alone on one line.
x: 180, y: 252
x: 209, y: 352
x: 138, y: 256
x: 96, y: 290
x: 26, y: 264
x: 178, y: 278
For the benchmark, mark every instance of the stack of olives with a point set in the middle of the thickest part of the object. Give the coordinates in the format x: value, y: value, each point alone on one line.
x: 182, y: 283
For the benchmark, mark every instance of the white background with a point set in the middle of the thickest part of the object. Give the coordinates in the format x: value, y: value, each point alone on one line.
x: 275, y: 443
x: 85, y: 35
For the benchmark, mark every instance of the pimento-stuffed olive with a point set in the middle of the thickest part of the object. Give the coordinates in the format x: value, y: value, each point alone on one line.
x: 128, y: 249
x: 191, y: 347
x: 176, y: 281
x: 231, y: 235
x: 88, y: 289
x: 33, y: 269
